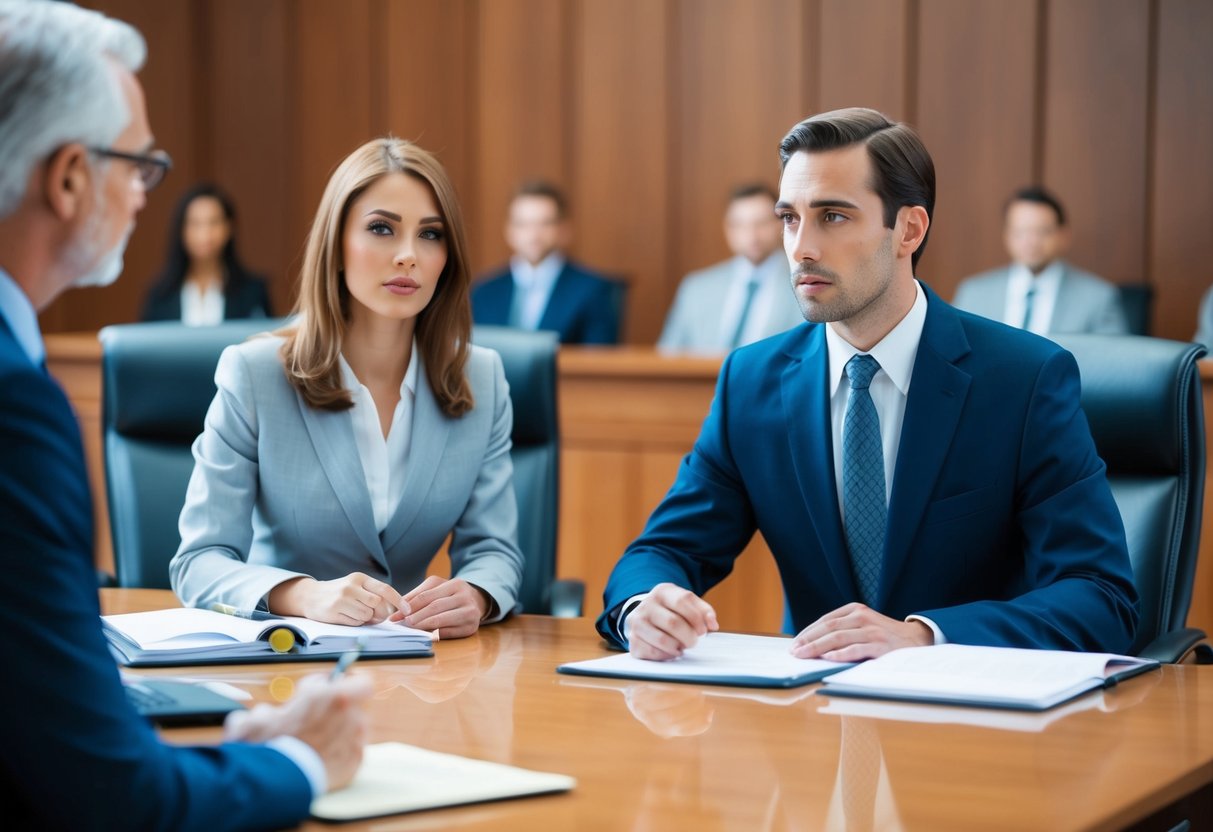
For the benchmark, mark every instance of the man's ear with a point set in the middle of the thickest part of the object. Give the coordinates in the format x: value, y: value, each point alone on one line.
x: 914, y: 224
x: 65, y: 181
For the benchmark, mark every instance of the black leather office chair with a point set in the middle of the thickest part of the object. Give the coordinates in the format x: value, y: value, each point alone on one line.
x: 1136, y: 300
x: 529, y: 359
x: 157, y: 383
x: 1142, y: 397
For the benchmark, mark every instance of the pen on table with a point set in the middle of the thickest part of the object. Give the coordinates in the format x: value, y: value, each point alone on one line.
x: 281, y: 639
x: 252, y: 615
x: 348, y: 658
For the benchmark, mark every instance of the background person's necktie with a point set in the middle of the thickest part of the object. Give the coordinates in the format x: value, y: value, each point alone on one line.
x: 751, y: 289
x: 863, y: 485
x: 1027, y: 307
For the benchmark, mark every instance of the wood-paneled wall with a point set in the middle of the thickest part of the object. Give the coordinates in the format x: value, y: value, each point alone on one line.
x: 647, y: 111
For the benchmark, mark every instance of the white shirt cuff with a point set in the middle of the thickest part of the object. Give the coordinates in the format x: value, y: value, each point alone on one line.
x: 304, y: 756
x: 622, y: 628
x: 940, y: 638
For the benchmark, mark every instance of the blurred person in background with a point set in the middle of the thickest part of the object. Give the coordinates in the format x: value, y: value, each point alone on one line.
x: 745, y: 298
x: 203, y: 282
x: 541, y: 288
x: 1039, y: 291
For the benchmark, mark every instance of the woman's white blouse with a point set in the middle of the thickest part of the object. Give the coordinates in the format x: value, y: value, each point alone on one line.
x: 384, y: 461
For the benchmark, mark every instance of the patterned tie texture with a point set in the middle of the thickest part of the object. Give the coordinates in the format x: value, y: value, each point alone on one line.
x: 863, y: 488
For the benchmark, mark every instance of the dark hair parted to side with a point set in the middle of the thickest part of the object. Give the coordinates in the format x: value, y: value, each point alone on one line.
x: 1041, y: 196
x: 903, y: 171
x: 751, y: 189
x: 546, y: 190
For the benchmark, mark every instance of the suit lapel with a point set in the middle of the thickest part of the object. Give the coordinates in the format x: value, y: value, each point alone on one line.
x: 554, y: 314
x: 332, y: 436
x: 494, y: 299
x: 431, y: 428
x: 1066, y: 306
x: 937, y: 396
x: 806, y: 405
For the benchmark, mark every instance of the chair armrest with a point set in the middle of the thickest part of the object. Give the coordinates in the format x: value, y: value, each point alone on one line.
x: 568, y: 597
x: 1172, y: 647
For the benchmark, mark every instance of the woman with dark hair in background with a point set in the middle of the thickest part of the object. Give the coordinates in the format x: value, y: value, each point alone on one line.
x: 203, y: 282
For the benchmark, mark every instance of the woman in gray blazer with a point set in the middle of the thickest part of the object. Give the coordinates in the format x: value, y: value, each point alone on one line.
x: 340, y: 453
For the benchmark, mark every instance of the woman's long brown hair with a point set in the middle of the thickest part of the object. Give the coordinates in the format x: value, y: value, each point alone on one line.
x: 313, y: 342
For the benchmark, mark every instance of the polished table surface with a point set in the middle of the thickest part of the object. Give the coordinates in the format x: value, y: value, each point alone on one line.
x: 668, y: 757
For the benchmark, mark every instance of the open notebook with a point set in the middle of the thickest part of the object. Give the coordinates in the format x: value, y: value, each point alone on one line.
x: 992, y: 677
x: 396, y: 778
x: 194, y: 636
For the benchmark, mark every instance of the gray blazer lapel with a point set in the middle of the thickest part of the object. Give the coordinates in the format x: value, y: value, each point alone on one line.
x: 431, y: 428
x: 332, y: 436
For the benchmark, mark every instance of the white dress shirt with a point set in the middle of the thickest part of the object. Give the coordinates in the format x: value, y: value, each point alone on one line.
x: 384, y: 460
x: 533, y: 287
x: 1044, y: 288
x: 772, y: 289
x: 889, y: 388
x: 199, y: 309
x: 22, y: 319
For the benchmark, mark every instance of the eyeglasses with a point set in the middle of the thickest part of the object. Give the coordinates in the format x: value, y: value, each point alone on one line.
x: 151, y: 167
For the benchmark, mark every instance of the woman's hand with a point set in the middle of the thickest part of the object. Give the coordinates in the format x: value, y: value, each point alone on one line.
x: 353, y: 600
x: 453, y: 607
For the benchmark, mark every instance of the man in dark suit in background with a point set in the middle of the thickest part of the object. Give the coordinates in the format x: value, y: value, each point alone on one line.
x: 920, y: 474
x: 78, y: 161
x: 541, y: 289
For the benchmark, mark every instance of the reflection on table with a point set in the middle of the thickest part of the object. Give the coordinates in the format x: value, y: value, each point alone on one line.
x: 651, y: 756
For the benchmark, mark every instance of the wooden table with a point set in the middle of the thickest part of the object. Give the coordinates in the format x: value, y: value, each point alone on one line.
x: 672, y: 757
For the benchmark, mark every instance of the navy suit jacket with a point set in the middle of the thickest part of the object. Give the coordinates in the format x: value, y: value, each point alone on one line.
x: 583, y: 307
x: 244, y: 296
x: 1002, y: 528
x: 76, y: 755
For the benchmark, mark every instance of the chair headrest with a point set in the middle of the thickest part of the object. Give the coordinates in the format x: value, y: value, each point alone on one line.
x: 1138, y: 395
x: 529, y: 359
x: 159, y: 378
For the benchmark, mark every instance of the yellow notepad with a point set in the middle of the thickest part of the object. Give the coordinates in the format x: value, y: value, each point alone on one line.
x: 396, y: 778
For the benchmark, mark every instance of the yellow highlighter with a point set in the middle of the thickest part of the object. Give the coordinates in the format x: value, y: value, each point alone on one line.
x: 281, y: 639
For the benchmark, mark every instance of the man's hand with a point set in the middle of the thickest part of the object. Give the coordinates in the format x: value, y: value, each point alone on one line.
x: 353, y: 600
x: 856, y: 632
x: 667, y: 622
x: 453, y: 607
x: 328, y: 716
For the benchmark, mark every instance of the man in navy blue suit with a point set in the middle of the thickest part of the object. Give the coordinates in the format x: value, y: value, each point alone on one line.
x: 541, y: 289
x: 920, y: 474
x: 78, y: 160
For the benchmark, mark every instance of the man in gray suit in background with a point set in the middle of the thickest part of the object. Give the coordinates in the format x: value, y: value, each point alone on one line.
x: 1039, y: 291
x: 742, y: 299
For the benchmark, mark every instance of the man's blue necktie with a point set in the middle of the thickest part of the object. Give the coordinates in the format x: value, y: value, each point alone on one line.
x: 863, y: 491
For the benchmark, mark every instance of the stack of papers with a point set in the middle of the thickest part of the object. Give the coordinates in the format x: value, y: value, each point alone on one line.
x: 194, y: 636
x: 993, y: 677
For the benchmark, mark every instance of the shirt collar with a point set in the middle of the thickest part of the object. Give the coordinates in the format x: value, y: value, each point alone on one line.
x: 764, y: 272
x: 895, y: 352
x: 21, y: 318
x: 407, y: 385
x: 540, y: 276
x: 1021, y: 277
